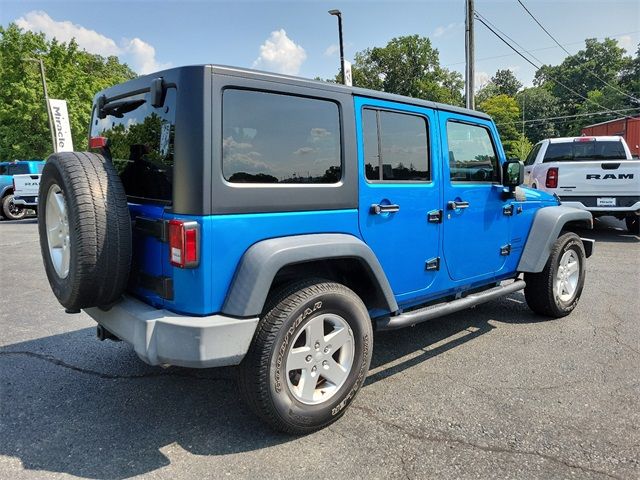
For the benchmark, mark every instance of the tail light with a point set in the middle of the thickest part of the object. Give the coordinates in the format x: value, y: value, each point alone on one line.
x: 184, y: 243
x: 98, y: 142
x: 552, y: 178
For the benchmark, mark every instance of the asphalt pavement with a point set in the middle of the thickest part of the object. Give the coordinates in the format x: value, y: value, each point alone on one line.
x: 492, y: 392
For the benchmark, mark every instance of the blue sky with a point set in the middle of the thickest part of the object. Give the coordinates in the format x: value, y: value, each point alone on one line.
x: 301, y: 37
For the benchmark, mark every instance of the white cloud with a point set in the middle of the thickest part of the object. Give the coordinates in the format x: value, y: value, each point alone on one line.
x: 443, y: 30
x: 281, y: 54
x: 625, y: 42
x: 138, y: 53
x: 143, y: 56
x: 481, y: 79
x: 331, y: 50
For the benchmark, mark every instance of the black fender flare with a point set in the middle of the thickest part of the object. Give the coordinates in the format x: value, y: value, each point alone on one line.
x: 262, y: 261
x: 545, y: 230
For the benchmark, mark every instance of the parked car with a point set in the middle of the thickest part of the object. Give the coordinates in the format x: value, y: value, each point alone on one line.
x: 25, y: 190
x: 8, y: 209
x: 597, y: 174
x: 233, y: 217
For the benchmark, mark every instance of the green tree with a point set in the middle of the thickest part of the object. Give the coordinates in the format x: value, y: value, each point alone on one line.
x: 72, y: 74
x: 506, y: 82
x: 582, y: 73
x: 407, y: 66
x: 505, y: 112
x: 540, y: 106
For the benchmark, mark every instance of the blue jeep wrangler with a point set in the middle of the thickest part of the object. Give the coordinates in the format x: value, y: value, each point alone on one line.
x: 8, y: 209
x: 233, y: 217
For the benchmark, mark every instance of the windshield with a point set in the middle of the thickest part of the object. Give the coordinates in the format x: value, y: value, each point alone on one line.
x: 584, y: 151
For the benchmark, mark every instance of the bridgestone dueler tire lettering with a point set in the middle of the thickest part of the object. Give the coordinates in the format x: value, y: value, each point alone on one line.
x: 539, y: 292
x: 99, y: 229
x: 286, y: 313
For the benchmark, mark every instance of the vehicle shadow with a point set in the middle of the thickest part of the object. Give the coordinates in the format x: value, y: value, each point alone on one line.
x: 609, y: 229
x: 71, y: 404
x: 23, y: 221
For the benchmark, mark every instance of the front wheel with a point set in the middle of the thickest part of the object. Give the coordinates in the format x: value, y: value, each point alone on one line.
x: 309, y: 357
x: 10, y: 210
x: 633, y: 224
x: 555, y: 291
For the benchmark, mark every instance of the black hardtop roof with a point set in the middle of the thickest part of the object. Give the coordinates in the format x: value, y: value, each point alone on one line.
x: 144, y: 81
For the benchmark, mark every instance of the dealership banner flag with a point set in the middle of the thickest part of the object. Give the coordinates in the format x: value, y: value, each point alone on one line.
x: 60, y: 116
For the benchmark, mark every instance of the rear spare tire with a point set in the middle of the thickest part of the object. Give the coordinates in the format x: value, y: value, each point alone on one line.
x: 85, y: 230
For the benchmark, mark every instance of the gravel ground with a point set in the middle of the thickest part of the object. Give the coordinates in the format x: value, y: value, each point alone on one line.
x: 491, y: 392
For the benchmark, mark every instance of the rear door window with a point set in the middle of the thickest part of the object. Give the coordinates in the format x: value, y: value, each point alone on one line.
x: 584, y: 151
x: 141, y: 140
x: 532, y: 155
x: 396, y: 146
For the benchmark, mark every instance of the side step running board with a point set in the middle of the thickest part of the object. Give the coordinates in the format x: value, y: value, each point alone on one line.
x: 445, y: 308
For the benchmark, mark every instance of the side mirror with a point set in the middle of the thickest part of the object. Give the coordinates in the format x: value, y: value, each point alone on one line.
x: 512, y: 173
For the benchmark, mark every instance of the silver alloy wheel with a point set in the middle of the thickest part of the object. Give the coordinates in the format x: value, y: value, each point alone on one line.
x: 58, y: 231
x: 567, y: 276
x: 319, y: 363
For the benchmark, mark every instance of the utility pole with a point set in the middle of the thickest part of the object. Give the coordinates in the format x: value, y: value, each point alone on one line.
x: 46, y: 100
x: 469, y: 56
x: 523, y: 98
x: 338, y: 14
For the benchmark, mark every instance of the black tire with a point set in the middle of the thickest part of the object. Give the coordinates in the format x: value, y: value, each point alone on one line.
x: 99, y: 228
x: 633, y: 224
x: 10, y: 210
x: 541, y: 290
x: 263, y: 379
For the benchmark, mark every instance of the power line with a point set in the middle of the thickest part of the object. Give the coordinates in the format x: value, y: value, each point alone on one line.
x: 569, y: 53
x: 590, y: 114
x: 478, y: 16
x: 540, y: 49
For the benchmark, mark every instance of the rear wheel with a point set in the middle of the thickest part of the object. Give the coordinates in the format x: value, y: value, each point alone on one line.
x: 10, y: 210
x: 309, y: 357
x: 555, y: 291
x: 633, y: 224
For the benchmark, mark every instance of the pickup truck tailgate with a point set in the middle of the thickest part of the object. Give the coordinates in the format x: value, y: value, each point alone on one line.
x: 26, y: 185
x: 599, y: 178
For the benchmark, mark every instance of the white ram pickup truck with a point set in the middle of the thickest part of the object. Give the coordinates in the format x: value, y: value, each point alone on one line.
x: 25, y: 190
x: 597, y: 174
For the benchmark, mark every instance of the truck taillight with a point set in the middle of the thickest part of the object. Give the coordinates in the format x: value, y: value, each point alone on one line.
x: 184, y: 243
x: 552, y: 178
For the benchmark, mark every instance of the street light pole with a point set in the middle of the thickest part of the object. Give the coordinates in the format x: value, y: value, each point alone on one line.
x: 338, y: 14
x: 46, y: 100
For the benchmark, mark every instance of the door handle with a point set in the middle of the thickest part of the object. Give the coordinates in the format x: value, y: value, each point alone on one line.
x: 377, y: 208
x: 453, y: 205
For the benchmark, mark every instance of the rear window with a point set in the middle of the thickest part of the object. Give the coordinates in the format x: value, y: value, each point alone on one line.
x: 584, y: 151
x: 18, y: 169
x: 141, y: 140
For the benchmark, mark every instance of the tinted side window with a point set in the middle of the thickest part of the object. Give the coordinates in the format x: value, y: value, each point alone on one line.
x: 141, y: 140
x: 532, y: 155
x: 3, y: 169
x: 472, y: 156
x: 395, y: 146
x: 18, y: 169
x: 275, y: 138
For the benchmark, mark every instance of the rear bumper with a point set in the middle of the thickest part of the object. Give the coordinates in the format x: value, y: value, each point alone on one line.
x: 26, y: 201
x: 624, y: 204
x: 161, y: 337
